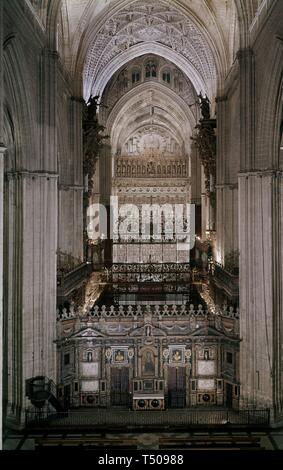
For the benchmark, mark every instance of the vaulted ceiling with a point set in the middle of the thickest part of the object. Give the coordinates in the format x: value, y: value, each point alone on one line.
x: 97, y: 37
x: 159, y: 111
x: 194, y: 35
x: 159, y: 26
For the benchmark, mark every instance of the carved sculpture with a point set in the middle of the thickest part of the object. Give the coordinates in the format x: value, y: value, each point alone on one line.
x: 158, y: 24
x: 205, y: 141
x: 204, y: 106
x: 130, y: 167
x: 92, y: 138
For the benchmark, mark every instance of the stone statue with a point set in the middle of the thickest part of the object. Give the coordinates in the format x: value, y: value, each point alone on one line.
x: 204, y: 106
x: 91, y: 107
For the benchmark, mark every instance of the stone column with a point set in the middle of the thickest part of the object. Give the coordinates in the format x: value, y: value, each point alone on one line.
x: 255, y: 255
x: 221, y: 136
x: 195, y: 187
x: 2, y: 152
x: 105, y: 183
x: 70, y: 239
x: 260, y: 233
x: 195, y: 175
x: 278, y: 294
x: 227, y: 220
x: 221, y: 103
x: 260, y: 238
x: 204, y: 208
x: 76, y: 138
x: 31, y: 215
x: 105, y: 173
x: 71, y: 188
x: 247, y: 108
x: 1, y: 74
x: 48, y: 109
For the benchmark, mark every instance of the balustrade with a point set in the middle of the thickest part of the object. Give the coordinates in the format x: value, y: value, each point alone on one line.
x: 225, y: 319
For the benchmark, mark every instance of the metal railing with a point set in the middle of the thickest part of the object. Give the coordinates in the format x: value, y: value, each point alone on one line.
x: 127, y: 418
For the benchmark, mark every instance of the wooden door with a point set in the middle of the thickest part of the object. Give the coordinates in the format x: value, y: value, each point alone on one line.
x: 176, y: 387
x: 119, y: 386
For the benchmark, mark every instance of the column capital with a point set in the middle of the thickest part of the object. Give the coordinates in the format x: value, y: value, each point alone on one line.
x: 260, y: 173
x: 10, y: 175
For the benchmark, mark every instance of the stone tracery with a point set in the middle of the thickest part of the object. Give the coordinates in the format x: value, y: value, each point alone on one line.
x: 142, y: 22
x: 147, y: 108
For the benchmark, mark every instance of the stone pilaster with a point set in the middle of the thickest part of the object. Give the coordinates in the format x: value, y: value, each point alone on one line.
x: 260, y: 232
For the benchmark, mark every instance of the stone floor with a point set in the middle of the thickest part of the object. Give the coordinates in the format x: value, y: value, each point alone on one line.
x: 160, y: 430
x: 236, y: 440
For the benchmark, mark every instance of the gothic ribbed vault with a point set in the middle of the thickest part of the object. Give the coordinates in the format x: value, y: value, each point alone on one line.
x: 97, y: 38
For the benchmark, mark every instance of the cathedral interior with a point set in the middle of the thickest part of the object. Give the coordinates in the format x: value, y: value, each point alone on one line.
x: 141, y: 215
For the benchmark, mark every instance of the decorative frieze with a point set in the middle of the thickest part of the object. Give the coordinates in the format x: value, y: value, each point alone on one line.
x: 226, y: 320
x: 131, y: 167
